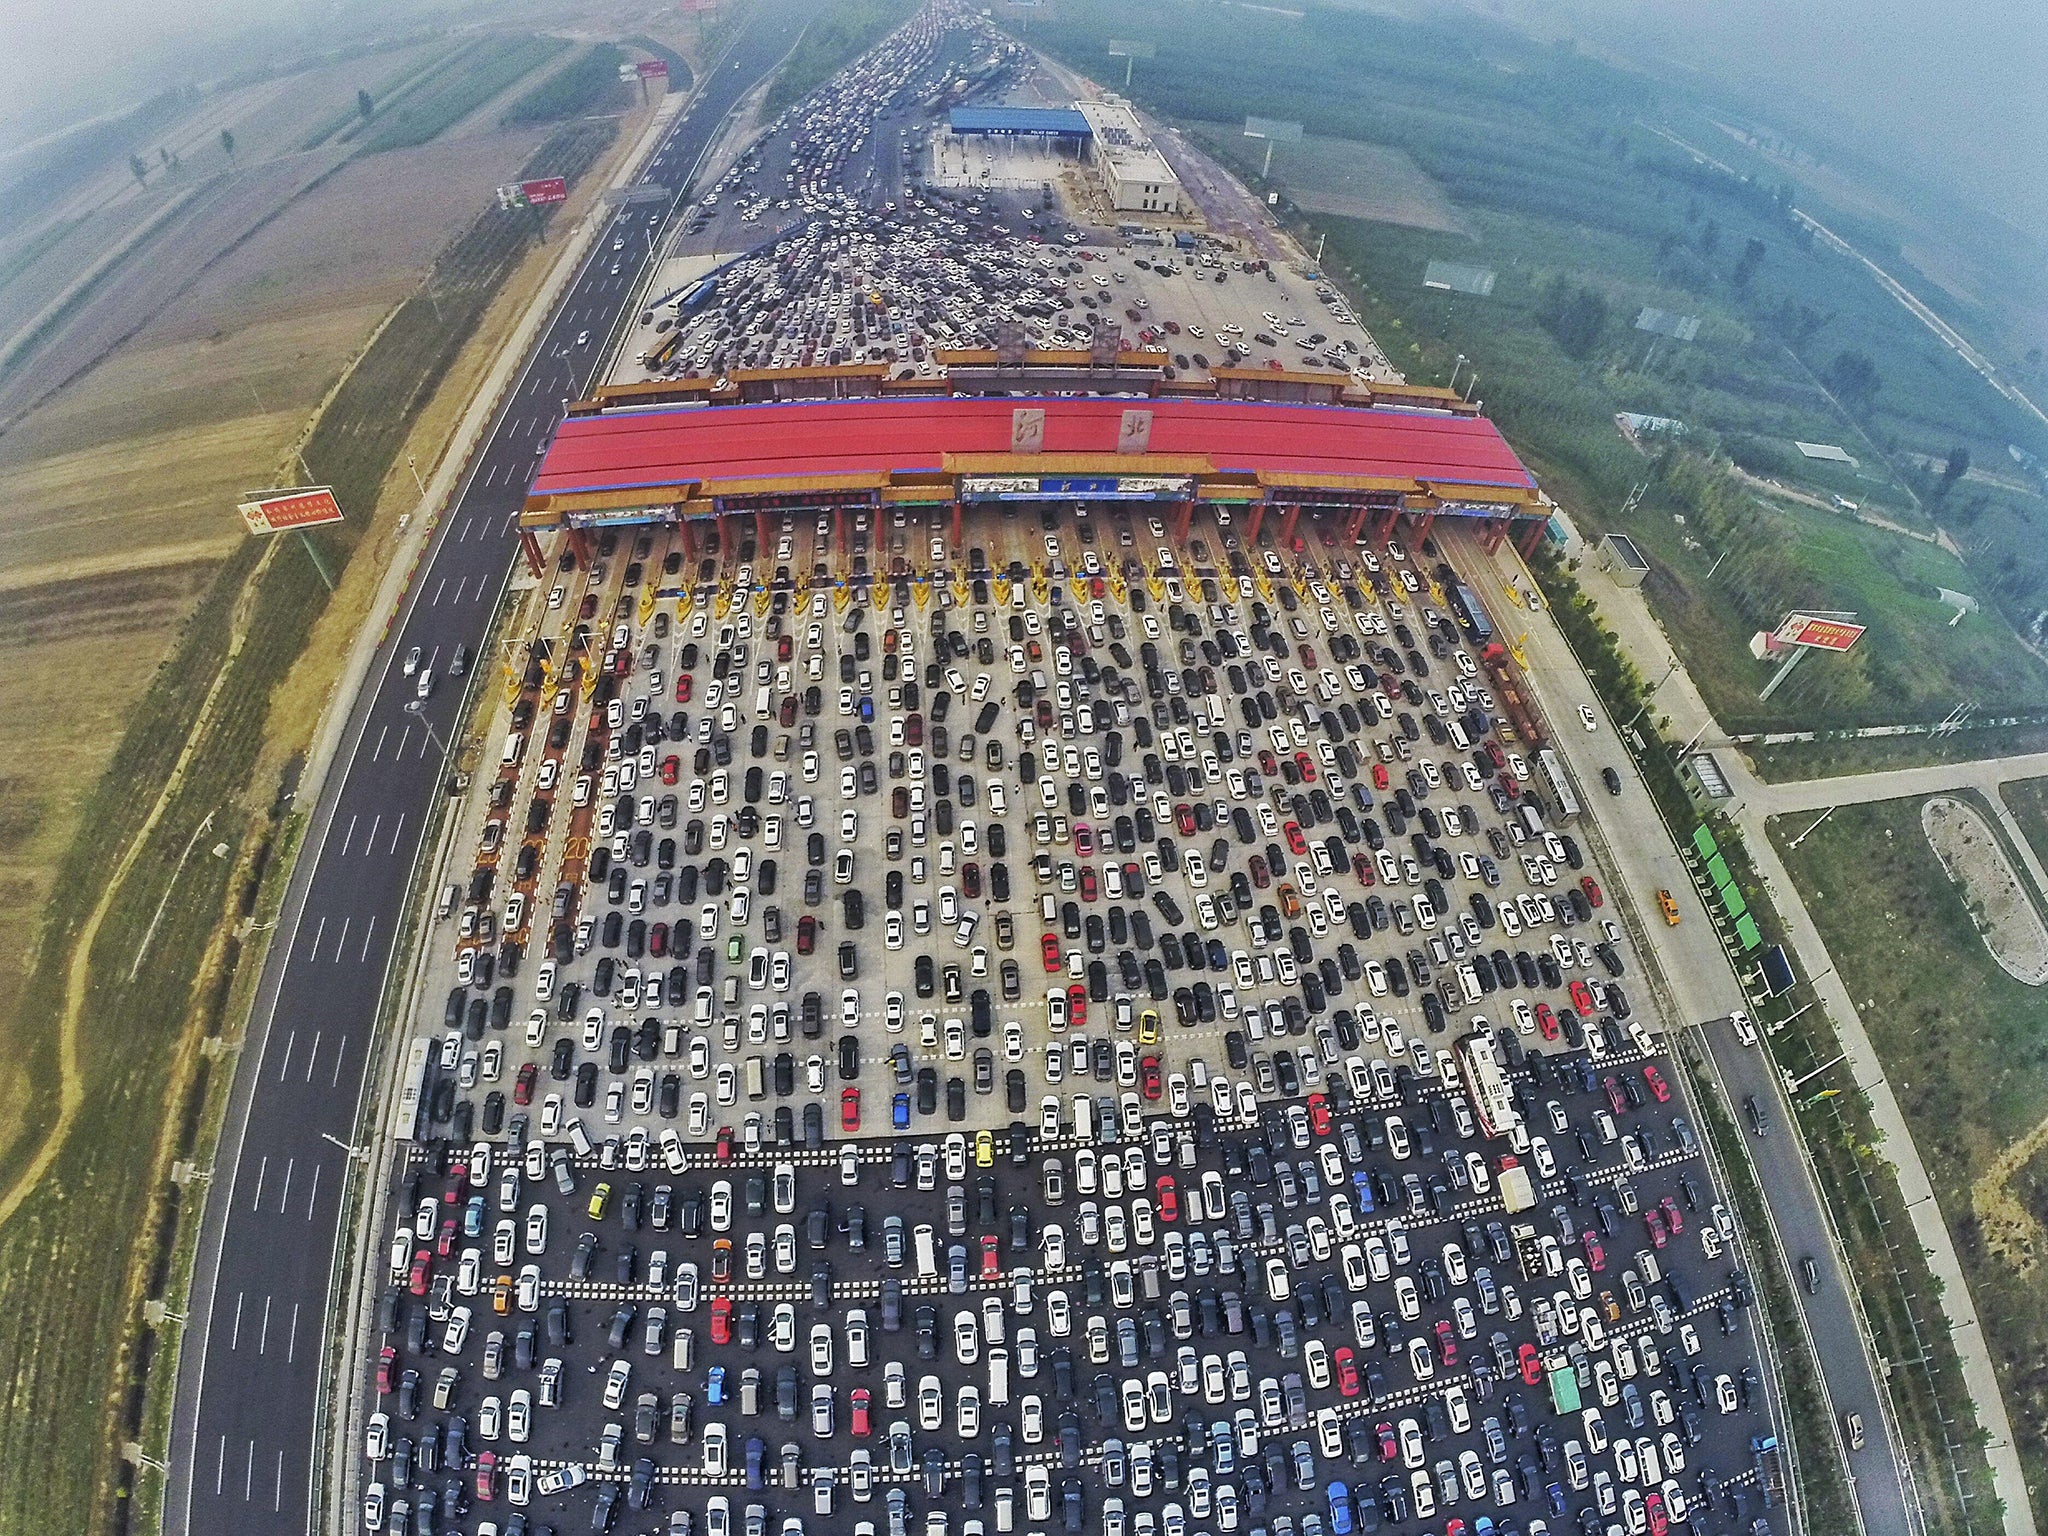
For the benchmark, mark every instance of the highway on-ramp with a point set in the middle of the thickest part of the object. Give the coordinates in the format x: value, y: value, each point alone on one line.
x: 242, y: 1452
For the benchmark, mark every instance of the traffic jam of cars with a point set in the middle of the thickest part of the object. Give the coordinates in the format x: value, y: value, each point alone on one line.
x: 1080, y: 1032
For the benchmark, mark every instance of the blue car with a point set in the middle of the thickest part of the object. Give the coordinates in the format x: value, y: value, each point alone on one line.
x: 473, y: 1217
x: 1362, y: 1182
x: 867, y: 708
x: 714, y: 1387
x: 1340, y: 1510
x: 899, y: 1111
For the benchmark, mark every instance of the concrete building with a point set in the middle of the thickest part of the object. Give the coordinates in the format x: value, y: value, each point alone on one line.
x: 1706, y: 786
x: 1620, y: 558
x: 1135, y: 175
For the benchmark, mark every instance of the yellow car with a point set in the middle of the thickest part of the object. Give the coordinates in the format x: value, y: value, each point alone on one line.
x: 984, y: 1149
x: 1148, y: 1027
x: 600, y: 1197
x: 1669, y: 907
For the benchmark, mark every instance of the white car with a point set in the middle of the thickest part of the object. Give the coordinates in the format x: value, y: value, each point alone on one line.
x: 1587, y: 717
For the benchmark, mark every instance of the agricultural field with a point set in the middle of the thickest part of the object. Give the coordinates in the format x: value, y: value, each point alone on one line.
x: 1966, y: 1050
x: 1353, y: 180
x: 1565, y: 183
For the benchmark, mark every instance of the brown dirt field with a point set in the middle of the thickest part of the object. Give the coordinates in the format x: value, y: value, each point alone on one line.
x: 363, y: 236
x: 23, y: 296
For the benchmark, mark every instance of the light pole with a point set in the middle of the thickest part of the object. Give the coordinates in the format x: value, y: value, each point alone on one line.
x: 1632, y: 719
x: 1824, y: 815
x: 1454, y: 372
x: 1794, y: 1084
x: 412, y: 707
x: 360, y: 1154
x: 413, y: 464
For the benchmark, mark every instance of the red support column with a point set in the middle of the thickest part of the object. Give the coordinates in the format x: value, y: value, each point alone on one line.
x: 1352, y: 524
x: 956, y: 525
x: 535, y: 561
x: 1183, y: 515
x: 839, y: 528
x: 689, y: 538
x: 1287, y: 521
x: 761, y: 529
x: 1530, y: 536
x: 1383, y: 526
x: 1251, y: 531
x: 1422, y: 532
x: 579, y: 541
x: 1490, y: 535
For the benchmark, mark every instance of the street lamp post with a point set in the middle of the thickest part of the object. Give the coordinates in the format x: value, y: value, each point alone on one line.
x: 1824, y: 815
x: 412, y: 707
x: 1455, y: 366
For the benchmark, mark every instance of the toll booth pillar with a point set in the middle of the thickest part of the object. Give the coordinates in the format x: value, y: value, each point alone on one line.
x: 1287, y: 521
x: 1356, y: 522
x: 535, y: 560
x: 1383, y: 526
x: 1422, y: 529
x: 579, y: 541
x: 956, y: 526
x: 1183, y: 515
x: 1493, y: 533
x: 761, y: 531
x: 1530, y: 536
x: 839, y: 528
x: 688, y: 535
x: 1251, y: 527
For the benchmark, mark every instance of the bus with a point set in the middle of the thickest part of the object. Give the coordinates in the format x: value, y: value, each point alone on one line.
x: 1492, y: 1102
x: 412, y: 1089
x: 1559, y: 782
x: 1471, y: 613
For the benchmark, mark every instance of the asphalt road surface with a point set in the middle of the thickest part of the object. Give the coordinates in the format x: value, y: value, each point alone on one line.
x: 250, y: 1374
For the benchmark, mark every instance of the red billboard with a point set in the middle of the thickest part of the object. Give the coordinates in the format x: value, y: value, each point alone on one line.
x: 549, y: 189
x: 654, y: 69
x: 310, y: 506
x: 1818, y: 634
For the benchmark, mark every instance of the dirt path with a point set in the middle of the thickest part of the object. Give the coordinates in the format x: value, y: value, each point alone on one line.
x: 78, y: 976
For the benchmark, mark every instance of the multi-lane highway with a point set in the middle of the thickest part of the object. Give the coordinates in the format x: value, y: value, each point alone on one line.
x: 250, y: 1378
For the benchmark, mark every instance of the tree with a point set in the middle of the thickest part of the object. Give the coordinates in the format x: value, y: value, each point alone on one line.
x: 1958, y: 465
x: 227, y: 142
x: 140, y: 168
x: 1745, y: 269
x: 364, y: 105
x: 1575, y: 317
x: 164, y: 155
x: 1853, y: 378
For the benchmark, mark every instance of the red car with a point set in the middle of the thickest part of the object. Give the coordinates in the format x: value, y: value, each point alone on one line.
x: 1169, y: 1198
x: 1653, y: 1507
x: 1616, y: 1100
x: 1581, y: 998
x: 970, y: 879
x: 1148, y: 1077
x: 1654, y: 1220
x: 806, y: 934
x: 1049, y: 947
x: 849, y: 1109
x: 721, y: 1319
x: 522, y: 1087
x: 1446, y: 1342
x: 445, y: 1243
x: 487, y: 1476
x: 1672, y: 1218
x: 1347, y: 1370
x: 1390, y: 1448
x: 1596, y: 1256
x: 657, y: 940
x: 387, y: 1368
x: 1261, y: 876
x: 683, y: 687
x: 1380, y: 779
x: 991, y: 1257
x: 671, y: 768
x: 1361, y: 866
x: 1089, y: 888
x: 1319, y: 1114
x: 1307, y: 765
x: 862, y: 1425
x: 1184, y: 818
x: 723, y: 1151
x: 1084, y: 839
x: 1077, y: 1006
x: 1592, y: 889
x: 1532, y: 1364
x: 422, y: 1262
x: 1269, y: 765
x: 1296, y: 843
x: 1659, y: 1089
x: 1546, y: 1021
x: 783, y: 647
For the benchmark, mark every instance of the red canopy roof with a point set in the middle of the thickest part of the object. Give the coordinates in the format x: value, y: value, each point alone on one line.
x: 882, y: 436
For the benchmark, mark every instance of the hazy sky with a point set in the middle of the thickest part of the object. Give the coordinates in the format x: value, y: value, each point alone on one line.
x: 1950, y: 90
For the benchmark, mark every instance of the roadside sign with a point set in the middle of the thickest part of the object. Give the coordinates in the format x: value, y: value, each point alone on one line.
x: 1818, y: 634
x: 534, y: 194
x: 283, y: 511
x: 654, y: 69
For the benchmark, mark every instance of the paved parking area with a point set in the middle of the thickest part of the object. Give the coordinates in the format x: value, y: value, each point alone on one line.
x: 1034, y: 1020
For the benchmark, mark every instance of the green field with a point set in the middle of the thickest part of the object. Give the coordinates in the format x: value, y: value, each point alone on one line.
x: 588, y: 84
x: 1966, y: 1050
x: 70, y: 1355
x: 444, y: 96
x: 1549, y: 160
x: 2027, y: 799
x: 845, y: 32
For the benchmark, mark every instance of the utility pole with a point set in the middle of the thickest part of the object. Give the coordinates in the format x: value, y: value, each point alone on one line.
x: 1824, y: 815
x: 1455, y: 366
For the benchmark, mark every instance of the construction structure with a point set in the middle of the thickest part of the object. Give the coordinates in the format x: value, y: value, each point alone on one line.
x: 1135, y: 175
x: 1035, y: 427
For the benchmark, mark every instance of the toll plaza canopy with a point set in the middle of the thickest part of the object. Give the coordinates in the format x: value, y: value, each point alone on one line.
x: 654, y: 461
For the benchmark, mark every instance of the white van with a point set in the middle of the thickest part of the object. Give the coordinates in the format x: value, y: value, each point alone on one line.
x: 927, y: 1256
x: 515, y: 748
x: 450, y: 894
x: 998, y: 1377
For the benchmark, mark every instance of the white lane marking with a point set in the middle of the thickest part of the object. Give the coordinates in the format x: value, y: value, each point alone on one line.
x: 314, y: 948
x: 399, y: 750
x: 263, y: 1336
x: 396, y: 827
x: 312, y: 1199
x: 378, y: 755
x: 340, y: 1060
x: 435, y: 600
x: 285, y: 1193
x: 368, y: 933
x: 312, y: 1055
x: 235, y: 1339
x: 370, y: 842
x: 284, y: 1061
x: 291, y: 1347
x: 220, y: 1466
x: 277, y: 1500
x: 249, y: 1474
x: 341, y: 939
x: 347, y: 836
x: 460, y: 583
